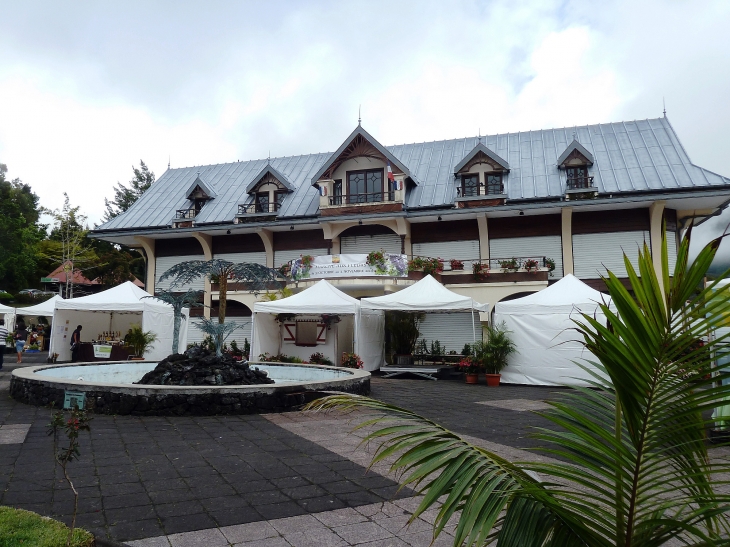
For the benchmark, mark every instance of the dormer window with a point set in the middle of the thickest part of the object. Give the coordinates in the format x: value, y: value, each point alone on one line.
x: 481, y: 173
x: 470, y: 185
x: 199, y: 193
x: 262, y: 202
x: 578, y: 177
x: 494, y: 184
x: 365, y: 186
x: 268, y: 191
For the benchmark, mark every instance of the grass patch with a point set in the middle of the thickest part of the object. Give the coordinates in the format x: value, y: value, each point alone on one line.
x: 24, y: 528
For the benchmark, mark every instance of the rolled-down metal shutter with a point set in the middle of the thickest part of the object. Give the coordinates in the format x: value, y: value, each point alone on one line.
x: 390, y: 243
x: 164, y: 263
x: 195, y: 335
x: 453, y: 330
x: 593, y: 254
x: 282, y: 257
x: 466, y: 251
x: 547, y: 246
x: 241, y: 258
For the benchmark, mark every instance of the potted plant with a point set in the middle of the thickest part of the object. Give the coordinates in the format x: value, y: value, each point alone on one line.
x: 404, y: 334
x: 139, y: 340
x: 531, y: 265
x: 351, y: 360
x: 470, y: 367
x: 480, y: 271
x: 494, y: 351
x: 550, y: 265
x: 456, y: 265
x: 433, y: 266
x: 508, y: 265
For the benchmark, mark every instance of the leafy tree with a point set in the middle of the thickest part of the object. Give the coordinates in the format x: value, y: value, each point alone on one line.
x: 21, y: 232
x: 633, y: 466
x: 125, y: 196
x: 116, y: 264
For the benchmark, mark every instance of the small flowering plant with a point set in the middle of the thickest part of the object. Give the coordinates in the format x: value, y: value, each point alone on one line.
x: 351, y: 360
x: 531, y: 265
x: 481, y: 271
x: 433, y: 265
x: 456, y: 264
x: 468, y: 365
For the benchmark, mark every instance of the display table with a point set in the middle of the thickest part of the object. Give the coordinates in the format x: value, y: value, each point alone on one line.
x: 118, y: 353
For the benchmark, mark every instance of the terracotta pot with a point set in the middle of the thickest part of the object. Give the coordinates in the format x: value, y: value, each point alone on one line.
x: 472, y: 378
x: 493, y: 379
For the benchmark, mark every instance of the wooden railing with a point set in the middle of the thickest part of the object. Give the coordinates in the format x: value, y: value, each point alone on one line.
x: 578, y: 183
x: 372, y: 197
x: 253, y: 208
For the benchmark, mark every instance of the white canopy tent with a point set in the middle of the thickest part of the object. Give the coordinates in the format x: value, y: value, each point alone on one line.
x: 364, y: 335
x: 45, y: 309
x: 115, y: 309
x: 8, y: 314
x: 541, y: 327
x: 429, y: 296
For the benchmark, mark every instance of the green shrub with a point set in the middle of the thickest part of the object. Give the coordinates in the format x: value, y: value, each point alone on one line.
x: 20, y: 527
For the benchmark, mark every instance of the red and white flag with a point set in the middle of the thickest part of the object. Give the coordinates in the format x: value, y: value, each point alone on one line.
x: 391, y: 178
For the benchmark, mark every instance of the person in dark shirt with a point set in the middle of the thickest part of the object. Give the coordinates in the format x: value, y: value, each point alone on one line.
x: 75, y: 341
x: 21, y: 335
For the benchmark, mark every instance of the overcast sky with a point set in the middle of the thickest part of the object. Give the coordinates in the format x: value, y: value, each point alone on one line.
x: 87, y: 89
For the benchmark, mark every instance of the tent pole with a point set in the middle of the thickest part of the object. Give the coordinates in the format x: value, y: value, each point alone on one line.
x: 473, y: 326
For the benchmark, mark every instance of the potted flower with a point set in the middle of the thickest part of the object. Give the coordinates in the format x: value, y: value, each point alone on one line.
x: 531, y: 265
x: 550, y: 265
x: 508, y: 265
x: 470, y: 367
x: 456, y: 265
x: 480, y: 271
x: 433, y: 265
x: 351, y: 360
x: 494, y: 351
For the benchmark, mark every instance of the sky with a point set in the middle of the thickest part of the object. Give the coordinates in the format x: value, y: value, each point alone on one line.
x: 88, y: 89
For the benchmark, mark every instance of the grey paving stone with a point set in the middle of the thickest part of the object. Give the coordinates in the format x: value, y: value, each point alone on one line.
x: 252, y: 531
x: 296, y: 524
x: 207, y: 538
x: 361, y: 532
x: 315, y: 537
x: 340, y: 517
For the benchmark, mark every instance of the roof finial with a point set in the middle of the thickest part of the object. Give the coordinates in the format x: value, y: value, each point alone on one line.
x: 664, y: 104
x: 574, y: 134
x: 359, y: 118
x: 268, y: 160
x: 480, y: 135
x: 168, y: 161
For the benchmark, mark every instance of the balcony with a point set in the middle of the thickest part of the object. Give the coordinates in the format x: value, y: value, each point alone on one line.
x: 580, y: 183
x: 485, y: 196
x: 374, y: 197
x: 493, y: 270
x: 185, y: 214
x: 372, y: 202
x: 258, y: 208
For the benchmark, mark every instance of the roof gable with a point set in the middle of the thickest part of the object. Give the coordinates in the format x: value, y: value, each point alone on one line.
x: 270, y: 170
x: 199, y: 183
x: 478, y: 151
x: 360, y: 143
x: 573, y: 148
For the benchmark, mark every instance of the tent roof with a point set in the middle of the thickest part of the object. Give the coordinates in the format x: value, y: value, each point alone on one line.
x: 45, y: 308
x: 6, y: 309
x: 427, y: 295
x: 319, y: 298
x: 125, y: 297
x: 567, y: 295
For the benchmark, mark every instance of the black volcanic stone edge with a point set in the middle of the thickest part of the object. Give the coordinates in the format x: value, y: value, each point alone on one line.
x: 209, y: 402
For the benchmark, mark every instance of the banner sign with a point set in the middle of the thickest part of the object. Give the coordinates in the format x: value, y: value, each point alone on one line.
x: 102, y: 352
x: 350, y: 265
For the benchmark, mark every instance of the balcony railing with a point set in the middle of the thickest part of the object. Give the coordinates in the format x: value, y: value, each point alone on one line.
x: 373, y: 197
x: 187, y: 214
x: 491, y: 190
x: 498, y: 265
x: 578, y: 183
x: 254, y: 208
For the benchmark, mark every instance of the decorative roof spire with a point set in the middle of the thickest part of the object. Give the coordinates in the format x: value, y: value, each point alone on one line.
x: 664, y: 104
x: 359, y: 118
x: 168, y: 161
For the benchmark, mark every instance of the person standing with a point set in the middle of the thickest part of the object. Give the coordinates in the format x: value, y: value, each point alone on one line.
x: 75, y: 341
x: 3, y: 336
x: 21, y: 335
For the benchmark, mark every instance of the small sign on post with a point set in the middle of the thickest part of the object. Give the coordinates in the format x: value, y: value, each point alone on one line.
x: 73, y: 399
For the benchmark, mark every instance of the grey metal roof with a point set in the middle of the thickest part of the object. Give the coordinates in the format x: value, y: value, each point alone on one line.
x: 275, y: 173
x: 575, y: 145
x: 484, y: 150
x: 643, y: 155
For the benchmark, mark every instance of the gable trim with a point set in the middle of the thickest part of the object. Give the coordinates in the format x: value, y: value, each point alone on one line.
x: 270, y: 169
x: 481, y: 148
x: 575, y: 146
x: 203, y: 186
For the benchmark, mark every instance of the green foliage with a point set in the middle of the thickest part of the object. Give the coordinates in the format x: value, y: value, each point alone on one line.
x: 219, y: 332
x: 493, y: 352
x: 20, y: 527
x: 140, y: 340
x: 466, y: 350
x: 125, y: 196
x: 437, y: 348
x: 351, y: 360
x: 403, y: 329
x: 280, y: 358
x: 320, y: 359
x: 21, y: 233
x: 632, y: 466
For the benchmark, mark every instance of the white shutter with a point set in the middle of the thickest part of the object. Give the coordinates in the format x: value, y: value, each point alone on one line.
x: 671, y: 252
x: 282, y: 257
x: 390, y: 243
x: 238, y: 258
x: 593, y: 254
x: 195, y: 335
x: 547, y: 246
x: 453, y: 330
x: 466, y: 251
x: 164, y: 263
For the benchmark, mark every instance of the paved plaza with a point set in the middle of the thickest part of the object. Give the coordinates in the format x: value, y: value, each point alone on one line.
x: 294, y: 479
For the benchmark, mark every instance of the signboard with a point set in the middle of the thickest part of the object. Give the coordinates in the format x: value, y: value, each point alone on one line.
x: 49, y: 280
x: 74, y: 398
x: 350, y: 265
x: 102, y: 352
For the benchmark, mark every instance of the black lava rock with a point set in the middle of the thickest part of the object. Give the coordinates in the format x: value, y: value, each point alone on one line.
x: 201, y: 367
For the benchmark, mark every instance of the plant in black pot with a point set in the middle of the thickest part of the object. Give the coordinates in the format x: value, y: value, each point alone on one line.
x: 494, y: 351
x: 139, y: 340
x: 404, y: 333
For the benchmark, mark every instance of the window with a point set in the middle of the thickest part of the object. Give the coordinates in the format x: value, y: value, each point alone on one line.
x: 469, y: 185
x: 578, y: 177
x: 306, y: 333
x: 337, y: 192
x: 494, y: 184
x: 365, y: 186
x: 262, y: 202
x: 279, y: 197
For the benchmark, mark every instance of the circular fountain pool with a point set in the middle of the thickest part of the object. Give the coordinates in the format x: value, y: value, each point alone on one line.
x: 109, y: 389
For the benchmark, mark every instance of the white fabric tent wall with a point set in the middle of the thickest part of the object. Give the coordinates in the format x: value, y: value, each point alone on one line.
x: 541, y: 326
x: 8, y: 315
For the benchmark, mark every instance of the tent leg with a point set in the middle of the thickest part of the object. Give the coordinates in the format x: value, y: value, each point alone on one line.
x: 473, y: 326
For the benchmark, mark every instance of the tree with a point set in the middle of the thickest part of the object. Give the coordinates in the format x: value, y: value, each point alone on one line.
x: 179, y: 302
x: 633, y: 467
x: 21, y: 233
x: 125, y: 196
x: 116, y: 264
x: 257, y: 277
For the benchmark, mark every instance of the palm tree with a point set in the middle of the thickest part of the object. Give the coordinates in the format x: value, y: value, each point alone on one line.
x: 258, y: 277
x: 633, y: 469
x: 188, y: 299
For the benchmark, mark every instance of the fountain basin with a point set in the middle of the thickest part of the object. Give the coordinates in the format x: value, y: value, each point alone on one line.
x: 109, y: 389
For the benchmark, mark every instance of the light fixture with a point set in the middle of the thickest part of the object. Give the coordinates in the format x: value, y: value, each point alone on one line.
x: 291, y: 227
x: 359, y: 222
x: 439, y: 218
x: 228, y: 232
x: 522, y: 213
